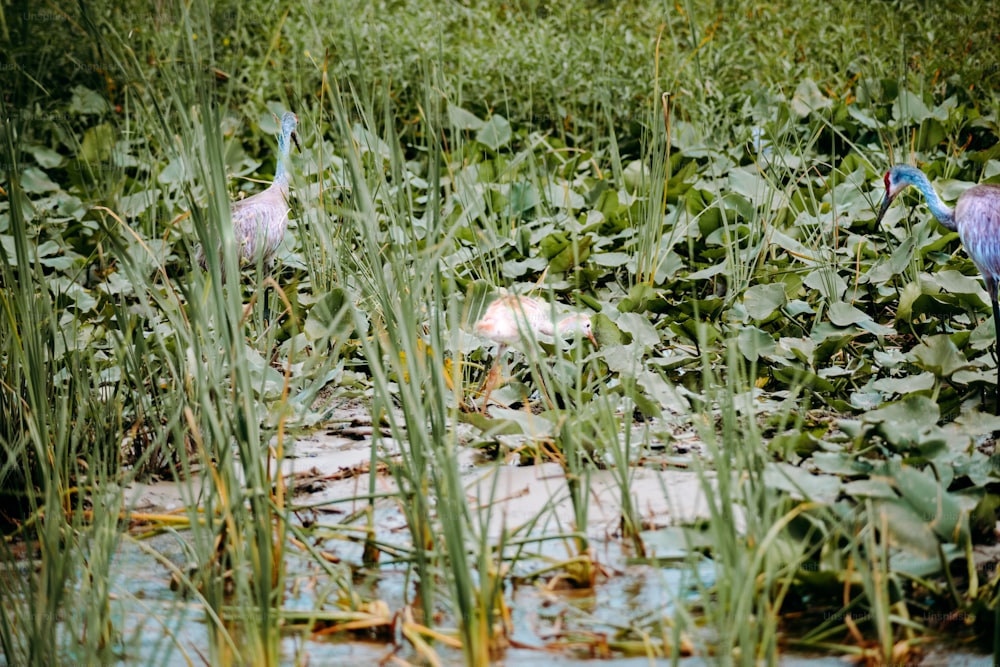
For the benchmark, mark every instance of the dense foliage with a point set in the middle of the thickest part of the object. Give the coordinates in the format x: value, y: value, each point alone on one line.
x: 724, y: 235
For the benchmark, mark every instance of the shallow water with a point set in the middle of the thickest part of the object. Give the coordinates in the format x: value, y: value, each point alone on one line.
x: 157, y: 621
x: 161, y: 626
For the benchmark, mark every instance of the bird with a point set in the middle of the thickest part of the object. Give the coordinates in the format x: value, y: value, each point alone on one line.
x: 511, y: 319
x: 976, y: 218
x: 259, y: 221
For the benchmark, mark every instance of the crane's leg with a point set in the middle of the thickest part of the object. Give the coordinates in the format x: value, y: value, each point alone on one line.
x: 489, y: 384
x: 493, y: 378
x: 267, y: 305
x: 996, y: 328
x: 265, y: 269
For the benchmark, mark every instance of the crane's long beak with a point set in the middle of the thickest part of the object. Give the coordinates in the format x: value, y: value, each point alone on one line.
x: 295, y: 140
x: 590, y: 337
x: 886, y: 201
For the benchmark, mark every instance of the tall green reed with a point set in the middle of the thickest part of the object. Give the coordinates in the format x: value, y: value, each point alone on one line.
x: 219, y: 430
x: 748, y: 518
x: 415, y: 316
x: 60, y: 427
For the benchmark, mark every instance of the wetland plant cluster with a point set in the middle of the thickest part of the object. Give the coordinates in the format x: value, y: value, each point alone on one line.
x: 703, y: 180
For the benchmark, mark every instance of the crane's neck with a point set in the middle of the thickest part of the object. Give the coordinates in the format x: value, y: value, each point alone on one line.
x: 284, y: 149
x: 281, y: 174
x: 944, y: 213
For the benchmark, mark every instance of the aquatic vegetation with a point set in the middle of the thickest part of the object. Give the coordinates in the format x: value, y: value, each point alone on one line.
x: 788, y: 414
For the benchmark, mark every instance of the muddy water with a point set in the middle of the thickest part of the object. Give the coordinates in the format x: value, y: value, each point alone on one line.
x: 330, y: 473
x: 329, y: 470
x: 158, y: 623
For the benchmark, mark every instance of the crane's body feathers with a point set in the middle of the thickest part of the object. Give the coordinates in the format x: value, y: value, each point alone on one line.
x: 978, y: 210
x: 259, y: 221
x: 259, y: 224
x: 512, y: 319
x: 976, y: 218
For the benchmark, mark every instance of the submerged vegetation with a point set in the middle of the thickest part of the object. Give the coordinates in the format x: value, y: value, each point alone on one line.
x: 702, y: 181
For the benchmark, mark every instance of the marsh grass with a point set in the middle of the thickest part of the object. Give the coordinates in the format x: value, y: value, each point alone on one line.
x: 210, y: 423
x: 62, y: 428
x: 416, y: 391
x: 747, y: 525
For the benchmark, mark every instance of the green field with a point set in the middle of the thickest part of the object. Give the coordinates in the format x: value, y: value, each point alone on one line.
x: 701, y: 179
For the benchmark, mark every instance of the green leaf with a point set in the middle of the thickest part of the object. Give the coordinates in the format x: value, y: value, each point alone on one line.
x: 801, y: 483
x: 524, y: 422
x: 36, y: 181
x: 639, y: 327
x: 521, y: 198
x: 60, y: 286
x: 900, y: 259
x: 495, y: 133
x: 661, y: 391
x: 462, y: 119
x: 808, y: 98
x: 563, y: 252
x: 615, y: 259
x: 908, y: 529
x: 939, y: 355
x: 98, y: 141
x: 914, y: 414
x: 797, y: 307
x: 874, y: 487
x: 957, y: 283
x: 676, y: 542
x: 173, y: 173
x: 370, y: 143
x: 941, y: 510
x: 904, y: 311
x: 85, y: 101
x: 45, y: 156
x: 328, y: 317
x: 827, y: 282
x: 905, y: 385
x: 909, y: 108
x: 134, y: 205
x: 910, y: 426
x: 754, y: 343
x: 802, y: 377
x: 636, y: 175
x: 975, y: 423
x: 116, y: 283
x: 71, y: 207
x: 762, y: 300
x: 844, y: 315
x: 753, y: 187
x: 561, y: 195
x: 840, y: 463
x: 637, y: 299
x: 867, y: 399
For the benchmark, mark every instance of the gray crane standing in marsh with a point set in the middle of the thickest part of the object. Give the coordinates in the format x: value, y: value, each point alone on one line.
x: 976, y: 218
x: 259, y: 221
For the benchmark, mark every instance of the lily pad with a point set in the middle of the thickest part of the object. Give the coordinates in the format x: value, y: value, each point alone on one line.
x: 762, y: 300
x: 495, y: 133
